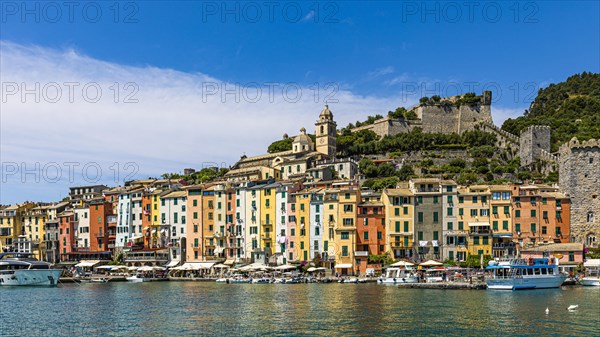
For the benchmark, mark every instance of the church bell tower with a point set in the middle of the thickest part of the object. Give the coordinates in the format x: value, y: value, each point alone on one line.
x: 326, y: 132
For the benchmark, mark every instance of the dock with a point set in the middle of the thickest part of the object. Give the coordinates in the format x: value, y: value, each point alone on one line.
x: 445, y: 285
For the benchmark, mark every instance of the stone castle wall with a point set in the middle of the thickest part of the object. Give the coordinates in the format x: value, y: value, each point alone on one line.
x: 533, y: 142
x: 437, y: 118
x: 579, y: 178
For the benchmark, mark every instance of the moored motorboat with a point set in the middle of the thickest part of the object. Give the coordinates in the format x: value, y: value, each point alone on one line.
x: 20, y: 269
x: 394, y: 275
x: 592, y: 273
x: 520, y: 274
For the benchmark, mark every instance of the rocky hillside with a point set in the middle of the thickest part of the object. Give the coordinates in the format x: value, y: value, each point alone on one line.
x: 571, y: 108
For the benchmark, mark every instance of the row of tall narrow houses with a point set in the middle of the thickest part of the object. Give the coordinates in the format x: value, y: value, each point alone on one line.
x: 306, y: 205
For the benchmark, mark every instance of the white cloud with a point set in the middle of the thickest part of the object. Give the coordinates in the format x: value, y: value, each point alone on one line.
x: 172, y: 125
x: 500, y: 114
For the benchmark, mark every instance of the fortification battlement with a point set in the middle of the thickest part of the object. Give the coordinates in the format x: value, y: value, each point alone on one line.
x: 503, y: 133
x: 574, y: 143
x: 545, y: 155
x: 534, y: 128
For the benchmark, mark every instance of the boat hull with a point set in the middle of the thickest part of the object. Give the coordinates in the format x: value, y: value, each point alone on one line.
x: 31, y: 277
x: 526, y: 283
x: 396, y: 280
x: 591, y: 281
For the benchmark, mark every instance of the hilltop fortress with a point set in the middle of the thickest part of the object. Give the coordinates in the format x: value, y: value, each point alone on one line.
x: 447, y: 115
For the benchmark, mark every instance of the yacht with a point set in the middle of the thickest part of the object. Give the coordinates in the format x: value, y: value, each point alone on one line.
x: 395, y: 275
x: 520, y: 274
x: 21, y: 269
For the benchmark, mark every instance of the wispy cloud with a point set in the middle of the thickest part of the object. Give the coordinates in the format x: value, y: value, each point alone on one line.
x: 180, y: 119
x: 380, y: 72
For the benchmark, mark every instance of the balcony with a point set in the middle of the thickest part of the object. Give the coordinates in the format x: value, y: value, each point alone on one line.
x: 266, y: 223
x: 502, y: 246
x: 400, y: 244
x: 361, y: 253
x: 481, y: 232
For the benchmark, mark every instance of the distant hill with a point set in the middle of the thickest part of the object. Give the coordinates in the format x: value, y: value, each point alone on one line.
x: 570, y: 108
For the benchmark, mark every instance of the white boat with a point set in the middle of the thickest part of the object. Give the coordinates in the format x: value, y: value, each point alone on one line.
x: 592, y: 273
x: 134, y: 279
x: 20, y: 269
x: 99, y: 280
x: 524, y: 274
x: 262, y: 280
x: 395, y: 275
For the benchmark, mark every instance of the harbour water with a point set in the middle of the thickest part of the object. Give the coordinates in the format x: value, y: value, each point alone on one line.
x: 210, y: 309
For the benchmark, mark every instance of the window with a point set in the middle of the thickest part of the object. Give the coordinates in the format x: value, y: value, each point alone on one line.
x: 406, y: 226
x: 461, y: 200
x: 419, y: 235
x: 420, y: 217
x: 476, y: 240
x: 347, y: 195
x: 195, y: 215
x: 344, y: 250
x: 495, y: 195
x: 292, y: 232
x: 473, y: 212
x: 435, y: 217
x: 379, y: 236
x: 419, y: 199
x: 449, y: 189
x: 505, y: 225
x: 571, y: 256
x: 532, y: 225
x: 495, y: 210
x: 397, y: 211
x: 484, y: 212
x: 518, y: 227
x: 449, y: 199
x: 475, y: 199
x: 449, y: 225
x: 533, y: 213
x: 461, y: 226
x: 435, y: 199
x: 449, y: 211
x: 461, y: 211
x: 495, y: 225
x: 302, y: 207
x: 345, y: 235
x: 405, y: 210
x: 506, y: 210
x: 544, y: 230
x: 484, y: 199
x: 485, y: 240
x: 397, y: 227
x: 366, y: 235
x: 317, y: 231
x: 435, y: 235
x: 558, y: 233
x: 545, y: 214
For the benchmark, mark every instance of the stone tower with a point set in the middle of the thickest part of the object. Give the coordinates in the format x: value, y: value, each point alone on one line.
x: 535, y: 143
x: 326, y: 132
x: 579, y: 178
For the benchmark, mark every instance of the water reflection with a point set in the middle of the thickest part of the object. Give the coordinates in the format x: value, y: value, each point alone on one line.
x: 209, y: 309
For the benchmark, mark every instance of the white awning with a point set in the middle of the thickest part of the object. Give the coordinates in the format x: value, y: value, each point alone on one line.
x: 591, y: 263
x: 105, y: 267
x: 172, y: 263
x: 477, y: 224
x: 343, y: 266
x: 422, y: 243
x: 434, y: 243
x: 195, y: 265
x: 84, y: 264
x: 311, y: 269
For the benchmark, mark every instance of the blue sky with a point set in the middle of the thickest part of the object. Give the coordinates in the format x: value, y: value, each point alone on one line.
x: 376, y: 54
